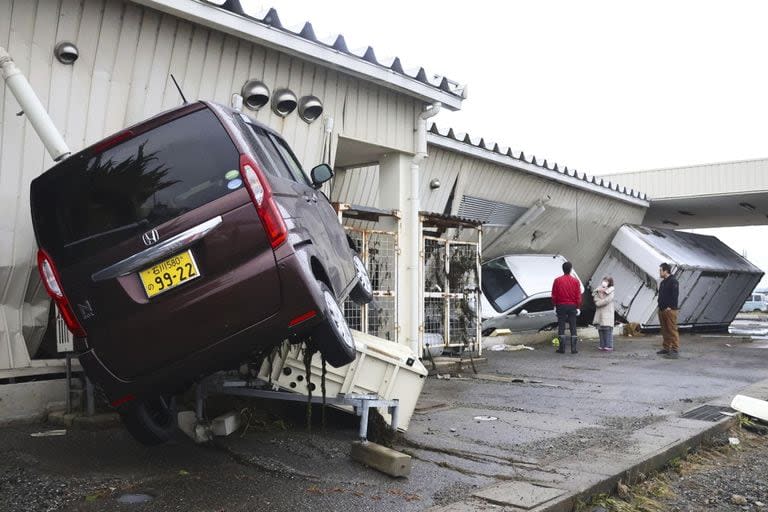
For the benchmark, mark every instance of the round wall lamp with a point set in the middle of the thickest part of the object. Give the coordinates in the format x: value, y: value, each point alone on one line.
x: 435, y: 183
x: 255, y: 94
x: 310, y: 108
x: 66, y: 52
x: 284, y: 102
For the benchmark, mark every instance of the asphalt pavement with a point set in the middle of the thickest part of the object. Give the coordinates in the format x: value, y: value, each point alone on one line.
x: 533, y: 430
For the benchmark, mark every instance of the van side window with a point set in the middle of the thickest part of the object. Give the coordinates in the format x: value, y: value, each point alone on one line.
x: 268, y: 155
x: 537, y: 305
x: 293, y: 163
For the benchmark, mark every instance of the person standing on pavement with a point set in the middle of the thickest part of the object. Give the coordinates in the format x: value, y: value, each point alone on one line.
x: 566, y: 297
x: 668, y: 295
x: 603, y: 296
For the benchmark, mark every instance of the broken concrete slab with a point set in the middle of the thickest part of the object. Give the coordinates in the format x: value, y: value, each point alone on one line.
x: 519, y: 494
x: 381, y: 458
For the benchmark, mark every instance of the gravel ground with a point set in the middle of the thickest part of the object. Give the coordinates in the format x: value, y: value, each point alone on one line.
x: 720, y: 478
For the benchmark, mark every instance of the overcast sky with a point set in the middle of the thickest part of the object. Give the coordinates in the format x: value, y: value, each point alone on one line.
x: 599, y: 86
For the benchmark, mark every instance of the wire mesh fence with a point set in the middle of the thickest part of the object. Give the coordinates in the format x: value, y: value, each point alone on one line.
x: 452, y: 292
x: 378, y: 250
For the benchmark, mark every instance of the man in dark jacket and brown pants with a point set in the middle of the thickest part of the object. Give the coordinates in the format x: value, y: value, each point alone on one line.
x: 668, y: 295
x: 566, y: 296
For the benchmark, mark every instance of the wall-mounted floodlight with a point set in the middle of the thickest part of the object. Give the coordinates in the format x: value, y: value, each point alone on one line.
x: 284, y: 102
x: 66, y: 52
x: 310, y: 108
x: 255, y: 94
x: 434, y: 183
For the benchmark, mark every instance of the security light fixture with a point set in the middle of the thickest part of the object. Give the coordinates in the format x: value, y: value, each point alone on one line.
x: 435, y: 183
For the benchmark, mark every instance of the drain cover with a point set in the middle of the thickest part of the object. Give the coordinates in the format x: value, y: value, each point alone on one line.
x: 708, y: 413
x: 134, y: 499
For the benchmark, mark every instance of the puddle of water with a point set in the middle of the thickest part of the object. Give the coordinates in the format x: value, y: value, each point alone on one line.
x: 134, y: 499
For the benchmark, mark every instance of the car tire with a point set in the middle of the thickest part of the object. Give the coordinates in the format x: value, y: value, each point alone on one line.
x: 151, y: 421
x: 362, y: 293
x: 332, y: 337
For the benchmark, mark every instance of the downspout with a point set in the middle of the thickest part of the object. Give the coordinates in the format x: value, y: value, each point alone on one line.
x: 32, y: 108
x: 420, y: 143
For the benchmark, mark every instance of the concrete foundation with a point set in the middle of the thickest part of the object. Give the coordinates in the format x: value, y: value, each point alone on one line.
x: 381, y: 458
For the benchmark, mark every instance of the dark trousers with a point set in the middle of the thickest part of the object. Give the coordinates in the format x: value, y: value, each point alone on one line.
x: 566, y: 312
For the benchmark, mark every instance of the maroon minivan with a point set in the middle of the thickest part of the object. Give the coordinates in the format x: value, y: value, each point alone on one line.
x: 187, y: 244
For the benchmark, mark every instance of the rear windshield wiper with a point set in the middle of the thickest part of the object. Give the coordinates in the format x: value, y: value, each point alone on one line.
x: 133, y: 225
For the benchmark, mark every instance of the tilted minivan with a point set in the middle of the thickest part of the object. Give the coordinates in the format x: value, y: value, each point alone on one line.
x: 186, y: 244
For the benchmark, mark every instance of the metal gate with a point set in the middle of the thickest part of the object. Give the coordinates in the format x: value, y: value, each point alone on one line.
x: 379, y: 252
x: 451, y: 272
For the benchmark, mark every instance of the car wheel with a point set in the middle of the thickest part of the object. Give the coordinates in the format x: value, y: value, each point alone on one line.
x: 150, y: 421
x: 332, y: 337
x: 362, y: 293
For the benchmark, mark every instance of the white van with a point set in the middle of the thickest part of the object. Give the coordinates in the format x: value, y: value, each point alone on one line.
x: 517, y: 291
x: 756, y: 302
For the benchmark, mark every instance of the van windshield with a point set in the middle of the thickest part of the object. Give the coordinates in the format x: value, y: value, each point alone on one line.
x: 500, y: 286
x: 101, y: 199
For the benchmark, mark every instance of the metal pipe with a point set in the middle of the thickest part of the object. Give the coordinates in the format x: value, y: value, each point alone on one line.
x: 363, y: 421
x: 90, y: 403
x: 33, y: 108
x: 68, y: 402
x: 420, y: 144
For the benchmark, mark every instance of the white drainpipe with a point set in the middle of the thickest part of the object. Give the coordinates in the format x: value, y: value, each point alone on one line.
x: 32, y: 108
x: 413, y: 268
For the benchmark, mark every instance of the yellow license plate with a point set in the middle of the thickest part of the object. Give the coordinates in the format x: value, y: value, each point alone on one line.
x: 169, y: 274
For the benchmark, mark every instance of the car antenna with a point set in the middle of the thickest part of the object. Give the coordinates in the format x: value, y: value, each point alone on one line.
x: 178, y: 88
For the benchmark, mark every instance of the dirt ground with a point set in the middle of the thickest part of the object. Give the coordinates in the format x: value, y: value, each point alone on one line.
x: 722, y: 477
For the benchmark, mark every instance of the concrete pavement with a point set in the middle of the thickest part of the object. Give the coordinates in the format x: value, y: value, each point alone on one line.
x: 533, y: 431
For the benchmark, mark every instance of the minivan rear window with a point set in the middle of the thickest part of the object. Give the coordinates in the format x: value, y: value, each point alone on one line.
x: 94, y: 200
x: 500, y: 286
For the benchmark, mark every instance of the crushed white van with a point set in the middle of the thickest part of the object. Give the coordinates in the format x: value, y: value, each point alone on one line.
x: 517, y: 291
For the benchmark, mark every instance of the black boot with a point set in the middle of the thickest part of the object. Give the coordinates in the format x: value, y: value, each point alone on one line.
x: 561, y: 346
x: 574, y: 342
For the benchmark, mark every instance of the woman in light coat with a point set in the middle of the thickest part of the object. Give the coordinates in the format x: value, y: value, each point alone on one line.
x: 603, y: 296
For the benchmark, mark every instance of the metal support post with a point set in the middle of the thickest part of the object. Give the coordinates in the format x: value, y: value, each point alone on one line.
x: 363, y: 410
x: 90, y: 403
x: 69, y: 383
x: 199, y: 399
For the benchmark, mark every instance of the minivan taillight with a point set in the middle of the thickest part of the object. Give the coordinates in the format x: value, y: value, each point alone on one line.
x: 261, y: 194
x: 52, y: 283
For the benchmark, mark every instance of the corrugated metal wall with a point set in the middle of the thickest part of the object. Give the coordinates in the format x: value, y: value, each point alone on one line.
x: 127, y: 54
x: 700, y: 180
x: 576, y: 223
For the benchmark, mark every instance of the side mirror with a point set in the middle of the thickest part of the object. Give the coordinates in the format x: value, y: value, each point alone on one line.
x: 523, y: 312
x: 321, y: 174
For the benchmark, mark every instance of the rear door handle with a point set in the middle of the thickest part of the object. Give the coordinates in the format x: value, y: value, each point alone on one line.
x: 162, y: 249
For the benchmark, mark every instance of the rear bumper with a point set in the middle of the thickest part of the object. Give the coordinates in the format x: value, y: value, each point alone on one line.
x: 300, y: 295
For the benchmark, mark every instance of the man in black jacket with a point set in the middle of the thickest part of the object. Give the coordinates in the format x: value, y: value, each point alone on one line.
x: 668, y: 295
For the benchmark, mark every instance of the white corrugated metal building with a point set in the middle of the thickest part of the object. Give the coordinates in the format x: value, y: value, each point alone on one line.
x: 127, y: 51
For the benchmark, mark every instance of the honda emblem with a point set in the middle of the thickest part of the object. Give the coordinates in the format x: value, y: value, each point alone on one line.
x: 150, y: 237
